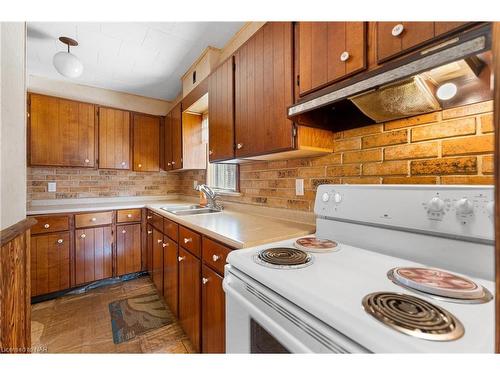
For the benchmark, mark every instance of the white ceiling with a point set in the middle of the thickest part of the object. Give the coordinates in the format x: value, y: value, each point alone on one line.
x: 146, y: 59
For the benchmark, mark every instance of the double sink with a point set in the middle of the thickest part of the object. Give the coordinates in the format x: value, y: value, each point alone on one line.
x: 194, y: 209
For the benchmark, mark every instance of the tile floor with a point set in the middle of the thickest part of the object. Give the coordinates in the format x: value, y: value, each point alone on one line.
x: 81, y: 324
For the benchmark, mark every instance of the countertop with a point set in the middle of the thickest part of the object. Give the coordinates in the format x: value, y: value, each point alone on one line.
x: 233, y: 226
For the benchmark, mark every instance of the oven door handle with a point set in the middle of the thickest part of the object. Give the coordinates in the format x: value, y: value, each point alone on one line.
x: 264, y: 319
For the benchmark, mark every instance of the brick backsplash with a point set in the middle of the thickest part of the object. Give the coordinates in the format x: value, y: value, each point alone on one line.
x: 89, y: 183
x: 453, y: 146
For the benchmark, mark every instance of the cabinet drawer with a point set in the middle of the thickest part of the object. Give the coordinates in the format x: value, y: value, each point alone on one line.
x: 171, y: 229
x: 93, y: 219
x: 190, y: 240
x: 215, y: 254
x: 155, y: 220
x: 48, y: 224
x: 127, y: 216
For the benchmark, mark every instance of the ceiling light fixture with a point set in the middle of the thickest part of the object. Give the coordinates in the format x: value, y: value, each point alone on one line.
x: 446, y: 91
x: 66, y: 63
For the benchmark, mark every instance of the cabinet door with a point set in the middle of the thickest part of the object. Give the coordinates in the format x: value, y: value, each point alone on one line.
x: 93, y: 258
x: 444, y: 27
x: 263, y: 91
x: 128, y: 249
x: 114, y: 138
x: 328, y: 52
x: 220, y: 112
x: 176, y: 133
x: 61, y: 132
x: 149, y: 249
x: 157, y: 265
x: 213, y: 313
x: 50, y: 263
x: 396, y: 37
x: 171, y: 274
x: 168, y: 142
x: 189, y: 296
x: 146, y: 143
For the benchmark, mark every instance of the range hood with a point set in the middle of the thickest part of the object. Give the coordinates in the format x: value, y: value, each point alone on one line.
x: 405, y: 87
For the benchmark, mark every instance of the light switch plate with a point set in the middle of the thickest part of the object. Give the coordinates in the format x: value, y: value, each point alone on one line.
x: 195, y: 183
x: 299, y: 186
x: 51, y: 187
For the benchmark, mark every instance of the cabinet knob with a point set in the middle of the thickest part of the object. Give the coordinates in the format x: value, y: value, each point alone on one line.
x: 169, y: 164
x: 204, y: 280
x: 210, y: 152
x: 180, y: 259
x: 139, y: 165
x: 239, y: 146
x: 124, y: 231
x: 60, y: 240
x: 186, y: 240
x: 46, y: 226
x: 93, y: 219
x: 344, y: 56
x: 150, y: 231
x: 173, y: 163
x: 149, y: 217
x: 87, y: 161
x: 123, y: 164
x: 129, y: 215
x: 397, y: 30
x: 165, y: 244
x: 83, y: 235
x: 159, y: 241
x: 215, y: 258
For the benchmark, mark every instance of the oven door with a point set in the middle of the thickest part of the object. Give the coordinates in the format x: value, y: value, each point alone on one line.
x: 261, y: 321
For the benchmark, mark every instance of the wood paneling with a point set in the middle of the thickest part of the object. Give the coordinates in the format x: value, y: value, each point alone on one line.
x: 171, y: 229
x: 445, y: 27
x: 93, y: 219
x: 149, y: 249
x: 93, y: 258
x: 50, y: 263
x: 146, y: 143
x: 213, y: 313
x: 114, y: 138
x: 190, y: 241
x: 189, y: 296
x: 263, y: 91
x: 320, y: 47
x: 50, y: 223
x: 128, y: 249
x: 127, y: 216
x: 215, y: 254
x: 414, y: 34
x: 221, y: 112
x: 176, y: 136
x: 155, y: 220
x: 157, y: 263
x: 61, y: 132
x: 167, y: 142
x: 194, y: 147
x: 171, y: 275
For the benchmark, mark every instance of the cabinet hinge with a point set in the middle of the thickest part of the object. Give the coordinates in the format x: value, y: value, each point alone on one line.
x: 298, y: 80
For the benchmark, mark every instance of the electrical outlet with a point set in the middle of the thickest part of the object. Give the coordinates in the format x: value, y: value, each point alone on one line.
x: 51, y: 187
x: 195, y: 183
x: 299, y: 186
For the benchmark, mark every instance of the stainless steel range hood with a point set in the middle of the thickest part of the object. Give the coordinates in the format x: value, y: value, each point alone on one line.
x: 403, y: 88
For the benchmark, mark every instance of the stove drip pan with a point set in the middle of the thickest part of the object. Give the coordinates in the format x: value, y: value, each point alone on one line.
x: 283, y: 258
x: 413, y: 316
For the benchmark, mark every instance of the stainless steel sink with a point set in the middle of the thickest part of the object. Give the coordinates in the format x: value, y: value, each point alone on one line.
x: 189, y: 210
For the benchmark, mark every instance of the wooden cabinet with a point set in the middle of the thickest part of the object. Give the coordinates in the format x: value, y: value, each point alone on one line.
x: 171, y: 229
x: 61, y: 132
x: 149, y: 249
x: 446, y: 27
x: 50, y: 263
x: 213, y: 312
x: 130, y: 215
x: 93, y: 219
x: 221, y: 112
x: 328, y: 52
x: 190, y: 240
x: 189, y: 296
x: 263, y: 91
x: 114, y: 138
x: 167, y: 142
x: 157, y: 263
x: 173, y: 138
x: 146, y: 143
x: 50, y: 223
x: 128, y: 249
x: 93, y: 256
x: 171, y: 274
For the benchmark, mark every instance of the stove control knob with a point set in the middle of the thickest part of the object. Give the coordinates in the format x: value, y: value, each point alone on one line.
x: 337, y: 197
x: 325, y: 197
x: 490, y: 208
x: 436, y: 204
x: 464, y: 207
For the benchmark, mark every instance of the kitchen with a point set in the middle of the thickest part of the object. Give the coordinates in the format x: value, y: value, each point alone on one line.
x: 213, y: 187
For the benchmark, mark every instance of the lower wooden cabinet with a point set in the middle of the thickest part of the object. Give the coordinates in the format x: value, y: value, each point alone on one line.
x: 213, y: 312
x: 50, y: 263
x: 189, y: 296
x: 171, y: 275
x: 157, y: 264
x: 93, y: 256
x: 128, y: 249
x: 149, y: 249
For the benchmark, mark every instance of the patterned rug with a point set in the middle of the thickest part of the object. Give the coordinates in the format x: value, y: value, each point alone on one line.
x: 135, y: 316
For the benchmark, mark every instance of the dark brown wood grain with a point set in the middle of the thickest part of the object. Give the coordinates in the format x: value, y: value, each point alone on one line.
x: 18, y: 229
x: 115, y: 151
x: 146, y: 143
x: 171, y: 229
x: 93, y: 219
x: 171, y: 274
x: 176, y: 136
x: 167, y: 142
x: 50, y: 223
x: 149, y: 249
x: 157, y: 261
x: 214, y: 254
x: 190, y: 240
x: 93, y: 256
x: 213, y: 312
x: 128, y: 249
x: 129, y: 215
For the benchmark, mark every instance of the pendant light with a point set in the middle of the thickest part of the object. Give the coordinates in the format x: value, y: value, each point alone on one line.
x: 66, y: 63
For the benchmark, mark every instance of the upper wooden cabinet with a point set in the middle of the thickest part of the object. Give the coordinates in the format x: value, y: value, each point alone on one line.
x: 146, y: 140
x: 221, y: 112
x: 61, y: 132
x: 263, y: 91
x: 328, y: 52
x: 173, y: 138
x: 114, y: 138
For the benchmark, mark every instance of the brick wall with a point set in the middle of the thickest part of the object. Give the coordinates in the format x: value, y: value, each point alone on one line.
x: 89, y: 183
x: 453, y: 146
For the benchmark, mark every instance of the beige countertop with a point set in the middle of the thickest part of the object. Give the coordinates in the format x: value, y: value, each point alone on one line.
x: 237, y: 226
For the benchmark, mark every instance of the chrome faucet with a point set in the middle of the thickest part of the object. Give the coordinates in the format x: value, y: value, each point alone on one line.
x: 212, y: 197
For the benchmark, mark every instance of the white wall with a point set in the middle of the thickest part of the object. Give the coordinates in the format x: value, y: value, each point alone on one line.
x: 97, y: 95
x: 13, y: 123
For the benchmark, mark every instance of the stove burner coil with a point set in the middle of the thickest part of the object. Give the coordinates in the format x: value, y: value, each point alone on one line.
x: 284, y: 257
x: 413, y: 316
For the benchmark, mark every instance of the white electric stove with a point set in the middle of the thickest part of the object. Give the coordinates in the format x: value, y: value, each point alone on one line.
x: 365, y: 295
